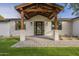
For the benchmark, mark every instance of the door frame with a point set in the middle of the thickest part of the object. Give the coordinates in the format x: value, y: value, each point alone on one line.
x: 35, y: 27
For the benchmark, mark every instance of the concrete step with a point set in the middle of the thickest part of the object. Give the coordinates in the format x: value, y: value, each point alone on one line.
x: 40, y: 37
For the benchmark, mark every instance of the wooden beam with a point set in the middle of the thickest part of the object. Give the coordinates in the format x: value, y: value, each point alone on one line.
x: 45, y: 7
x: 22, y: 19
x: 56, y: 22
x: 57, y: 10
x: 51, y: 15
x: 33, y: 7
x: 37, y: 10
x: 23, y: 5
x: 26, y: 15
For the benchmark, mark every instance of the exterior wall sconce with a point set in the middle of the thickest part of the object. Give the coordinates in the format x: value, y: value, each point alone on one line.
x: 31, y: 23
x: 46, y: 23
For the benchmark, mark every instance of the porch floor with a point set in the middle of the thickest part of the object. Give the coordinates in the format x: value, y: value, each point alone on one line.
x: 42, y: 41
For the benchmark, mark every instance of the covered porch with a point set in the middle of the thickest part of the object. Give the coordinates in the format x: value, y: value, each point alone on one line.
x: 48, y: 10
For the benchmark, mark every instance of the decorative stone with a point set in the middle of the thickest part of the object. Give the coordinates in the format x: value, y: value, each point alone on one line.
x: 56, y: 35
x: 22, y: 35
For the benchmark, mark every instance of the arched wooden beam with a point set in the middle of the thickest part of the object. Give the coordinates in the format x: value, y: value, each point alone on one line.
x: 37, y: 10
x: 46, y: 9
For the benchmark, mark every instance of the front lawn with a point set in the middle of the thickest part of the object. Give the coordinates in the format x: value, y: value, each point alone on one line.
x: 6, y: 50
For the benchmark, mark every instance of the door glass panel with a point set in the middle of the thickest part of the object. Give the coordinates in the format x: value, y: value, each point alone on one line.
x: 39, y: 28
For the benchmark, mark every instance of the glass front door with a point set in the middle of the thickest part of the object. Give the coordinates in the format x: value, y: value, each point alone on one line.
x: 39, y: 28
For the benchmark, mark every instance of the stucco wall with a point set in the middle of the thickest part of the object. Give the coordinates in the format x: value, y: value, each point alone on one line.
x: 30, y: 26
x: 76, y: 28
x: 66, y: 28
x: 13, y: 31
x: 4, y: 28
x: 48, y: 30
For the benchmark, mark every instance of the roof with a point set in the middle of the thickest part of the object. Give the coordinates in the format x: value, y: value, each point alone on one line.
x: 75, y: 19
x: 45, y: 9
x: 27, y: 4
x: 16, y: 19
x: 10, y: 19
x: 65, y: 19
x: 60, y: 19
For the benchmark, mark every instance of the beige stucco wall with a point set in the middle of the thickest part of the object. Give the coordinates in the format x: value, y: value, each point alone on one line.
x: 13, y: 32
x: 76, y: 27
x: 30, y: 27
x: 66, y: 28
x: 29, y: 31
x: 4, y: 29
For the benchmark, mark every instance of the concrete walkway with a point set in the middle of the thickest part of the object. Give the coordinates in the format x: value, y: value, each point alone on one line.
x: 40, y: 41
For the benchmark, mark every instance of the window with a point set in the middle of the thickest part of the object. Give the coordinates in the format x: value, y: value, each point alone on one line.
x: 52, y: 25
x: 18, y: 25
x: 59, y: 25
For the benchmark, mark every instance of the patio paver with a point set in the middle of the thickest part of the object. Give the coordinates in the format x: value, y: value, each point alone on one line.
x: 46, y: 42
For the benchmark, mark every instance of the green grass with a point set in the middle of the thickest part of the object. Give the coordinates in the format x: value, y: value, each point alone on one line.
x: 6, y: 50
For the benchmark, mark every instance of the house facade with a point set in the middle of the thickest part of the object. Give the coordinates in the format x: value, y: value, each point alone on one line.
x: 39, y: 19
x: 69, y: 27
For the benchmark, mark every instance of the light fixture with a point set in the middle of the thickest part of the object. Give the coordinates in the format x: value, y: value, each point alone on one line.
x: 31, y: 23
x: 46, y: 23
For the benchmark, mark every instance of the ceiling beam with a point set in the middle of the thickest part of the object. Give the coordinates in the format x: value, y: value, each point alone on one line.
x: 37, y: 10
x: 27, y: 16
x: 51, y: 15
x: 45, y: 7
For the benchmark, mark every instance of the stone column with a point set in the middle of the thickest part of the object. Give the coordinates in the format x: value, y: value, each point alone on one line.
x: 22, y: 31
x: 56, y: 33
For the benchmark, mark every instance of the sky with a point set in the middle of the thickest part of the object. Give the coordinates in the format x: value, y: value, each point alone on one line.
x: 7, y: 10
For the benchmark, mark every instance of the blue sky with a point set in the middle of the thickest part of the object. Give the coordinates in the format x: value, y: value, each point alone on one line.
x: 7, y: 10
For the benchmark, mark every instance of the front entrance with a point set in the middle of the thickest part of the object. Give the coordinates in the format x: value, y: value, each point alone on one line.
x: 39, y: 28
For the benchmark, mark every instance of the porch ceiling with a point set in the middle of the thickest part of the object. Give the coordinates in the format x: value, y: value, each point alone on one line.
x: 46, y: 9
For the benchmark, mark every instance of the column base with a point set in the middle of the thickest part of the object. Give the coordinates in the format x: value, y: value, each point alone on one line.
x: 22, y: 35
x: 56, y: 35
